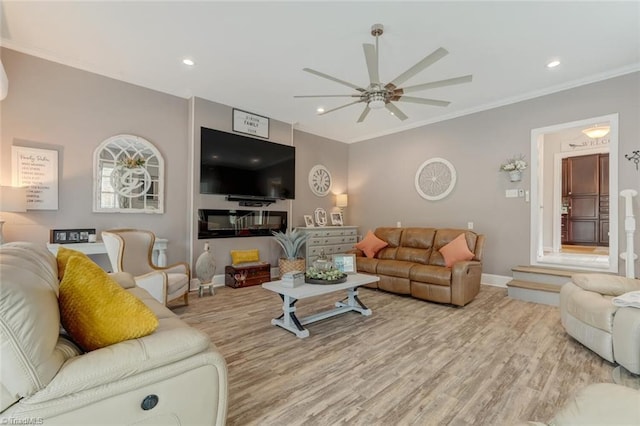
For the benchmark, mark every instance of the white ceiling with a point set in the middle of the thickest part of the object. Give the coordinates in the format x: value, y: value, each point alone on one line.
x: 250, y: 55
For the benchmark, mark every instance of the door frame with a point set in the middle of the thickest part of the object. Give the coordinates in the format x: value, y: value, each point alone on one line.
x: 536, y: 250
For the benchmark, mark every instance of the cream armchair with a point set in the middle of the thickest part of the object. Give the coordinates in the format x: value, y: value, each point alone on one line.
x: 130, y: 250
x: 588, y: 315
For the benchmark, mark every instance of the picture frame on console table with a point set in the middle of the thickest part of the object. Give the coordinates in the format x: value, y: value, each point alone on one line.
x: 345, y: 263
x: 336, y: 219
x: 308, y: 221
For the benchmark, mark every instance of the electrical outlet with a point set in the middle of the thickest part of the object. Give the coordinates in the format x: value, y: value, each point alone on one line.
x: 469, y: 225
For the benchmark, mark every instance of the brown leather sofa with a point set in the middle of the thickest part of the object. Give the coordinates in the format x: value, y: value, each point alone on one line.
x: 412, y: 265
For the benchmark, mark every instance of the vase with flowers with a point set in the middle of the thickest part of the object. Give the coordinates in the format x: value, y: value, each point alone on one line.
x: 514, y: 166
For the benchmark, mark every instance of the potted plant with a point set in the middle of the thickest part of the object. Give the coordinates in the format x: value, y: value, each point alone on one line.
x: 514, y: 166
x: 291, y: 242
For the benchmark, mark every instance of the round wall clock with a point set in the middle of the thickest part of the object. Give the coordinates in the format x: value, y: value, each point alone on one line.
x: 435, y: 179
x: 320, y: 180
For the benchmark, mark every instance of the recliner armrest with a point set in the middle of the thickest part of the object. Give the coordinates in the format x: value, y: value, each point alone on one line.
x: 125, y: 359
x: 605, y: 284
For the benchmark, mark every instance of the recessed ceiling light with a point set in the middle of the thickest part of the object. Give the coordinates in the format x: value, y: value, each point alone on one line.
x: 188, y: 61
x: 320, y: 110
x: 553, y: 64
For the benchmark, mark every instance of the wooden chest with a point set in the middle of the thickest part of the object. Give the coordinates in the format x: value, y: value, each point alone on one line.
x: 245, y: 276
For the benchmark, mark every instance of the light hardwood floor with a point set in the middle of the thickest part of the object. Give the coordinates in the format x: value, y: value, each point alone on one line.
x: 496, y: 361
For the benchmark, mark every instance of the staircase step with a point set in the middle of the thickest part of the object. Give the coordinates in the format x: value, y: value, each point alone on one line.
x: 536, y: 292
x: 546, y: 270
x: 530, y: 285
x: 538, y: 274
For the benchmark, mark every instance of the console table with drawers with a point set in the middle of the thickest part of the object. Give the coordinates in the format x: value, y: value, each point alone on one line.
x: 331, y: 239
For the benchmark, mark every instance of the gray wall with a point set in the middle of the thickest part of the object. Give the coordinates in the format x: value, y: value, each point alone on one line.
x: 382, y: 170
x: 53, y: 106
x: 57, y: 107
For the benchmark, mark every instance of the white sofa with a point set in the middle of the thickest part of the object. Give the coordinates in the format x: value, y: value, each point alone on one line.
x: 46, y: 379
x: 589, y: 316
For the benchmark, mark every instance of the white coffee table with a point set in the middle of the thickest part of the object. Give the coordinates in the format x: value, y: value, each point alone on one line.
x: 289, y: 321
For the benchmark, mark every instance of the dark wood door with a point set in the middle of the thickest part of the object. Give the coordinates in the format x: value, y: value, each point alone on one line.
x: 584, y: 201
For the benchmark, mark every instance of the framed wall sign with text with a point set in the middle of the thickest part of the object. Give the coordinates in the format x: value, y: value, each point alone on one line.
x: 37, y: 169
x: 251, y: 124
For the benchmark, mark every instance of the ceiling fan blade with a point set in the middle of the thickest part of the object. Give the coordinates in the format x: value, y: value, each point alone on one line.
x: 340, y: 107
x: 429, y: 60
x: 423, y: 101
x: 327, y: 96
x: 337, y: 80
x: 364, y: 114
x: 435, y: 84
x: 395, y: 111
x: 371, y: 57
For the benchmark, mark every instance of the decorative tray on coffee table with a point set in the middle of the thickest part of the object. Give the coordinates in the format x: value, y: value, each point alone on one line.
x: 321, y: 281
x: 326, y: 276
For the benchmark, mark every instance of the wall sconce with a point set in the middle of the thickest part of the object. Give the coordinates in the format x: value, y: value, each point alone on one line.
x: 635, y: 157
x: 342, y: 201
x: 12, y: 199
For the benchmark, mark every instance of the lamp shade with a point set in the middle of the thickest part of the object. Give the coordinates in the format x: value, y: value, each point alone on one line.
x: 13, y: 199
x: 596, y: 132
x: 342, y: 200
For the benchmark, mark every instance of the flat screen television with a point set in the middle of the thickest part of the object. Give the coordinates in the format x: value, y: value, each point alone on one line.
x: 241, y: 166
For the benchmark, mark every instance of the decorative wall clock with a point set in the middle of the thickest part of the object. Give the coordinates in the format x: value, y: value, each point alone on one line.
x: 320, y: 180
x: 435, y: 179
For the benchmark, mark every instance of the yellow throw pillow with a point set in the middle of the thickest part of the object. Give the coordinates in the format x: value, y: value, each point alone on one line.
x: 244, y: 256
x: 96, y: 311
x: 63, y: 256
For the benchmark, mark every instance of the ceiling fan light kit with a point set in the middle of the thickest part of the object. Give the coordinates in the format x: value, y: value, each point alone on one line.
x: 378, y: 95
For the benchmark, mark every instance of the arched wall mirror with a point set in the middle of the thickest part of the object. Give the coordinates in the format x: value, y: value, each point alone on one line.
x: 574, y: 195
x: 128, y: 176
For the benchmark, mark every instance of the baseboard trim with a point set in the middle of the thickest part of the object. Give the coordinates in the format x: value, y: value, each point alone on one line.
x: 495, y: 280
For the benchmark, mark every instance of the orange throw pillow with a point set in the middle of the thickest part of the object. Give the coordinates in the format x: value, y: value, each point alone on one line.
x: 371, y: 244
x: 456, y: 251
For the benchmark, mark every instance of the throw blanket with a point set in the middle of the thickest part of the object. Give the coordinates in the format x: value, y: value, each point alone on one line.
x: 631, y: 299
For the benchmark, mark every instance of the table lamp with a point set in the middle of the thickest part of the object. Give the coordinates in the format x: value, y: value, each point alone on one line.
x: 342, y: 201
x: 12, y: 199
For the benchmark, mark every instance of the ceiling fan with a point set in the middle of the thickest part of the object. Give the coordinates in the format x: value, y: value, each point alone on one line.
x: 378, y: 95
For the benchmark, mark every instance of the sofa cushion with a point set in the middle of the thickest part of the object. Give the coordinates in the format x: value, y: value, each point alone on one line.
x: 366, y: 264
x: 610, y: 285
x: 371, y: 244
x: 96, y: 311
x: 456, y: 251
x: 431, y: 274
x: 29, y: 321
x: 394, y: 268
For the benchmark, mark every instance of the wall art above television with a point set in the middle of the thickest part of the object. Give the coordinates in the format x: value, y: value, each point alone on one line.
x: 242, y: 166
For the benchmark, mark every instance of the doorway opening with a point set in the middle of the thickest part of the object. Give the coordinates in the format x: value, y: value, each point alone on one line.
x: 573, y: 224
